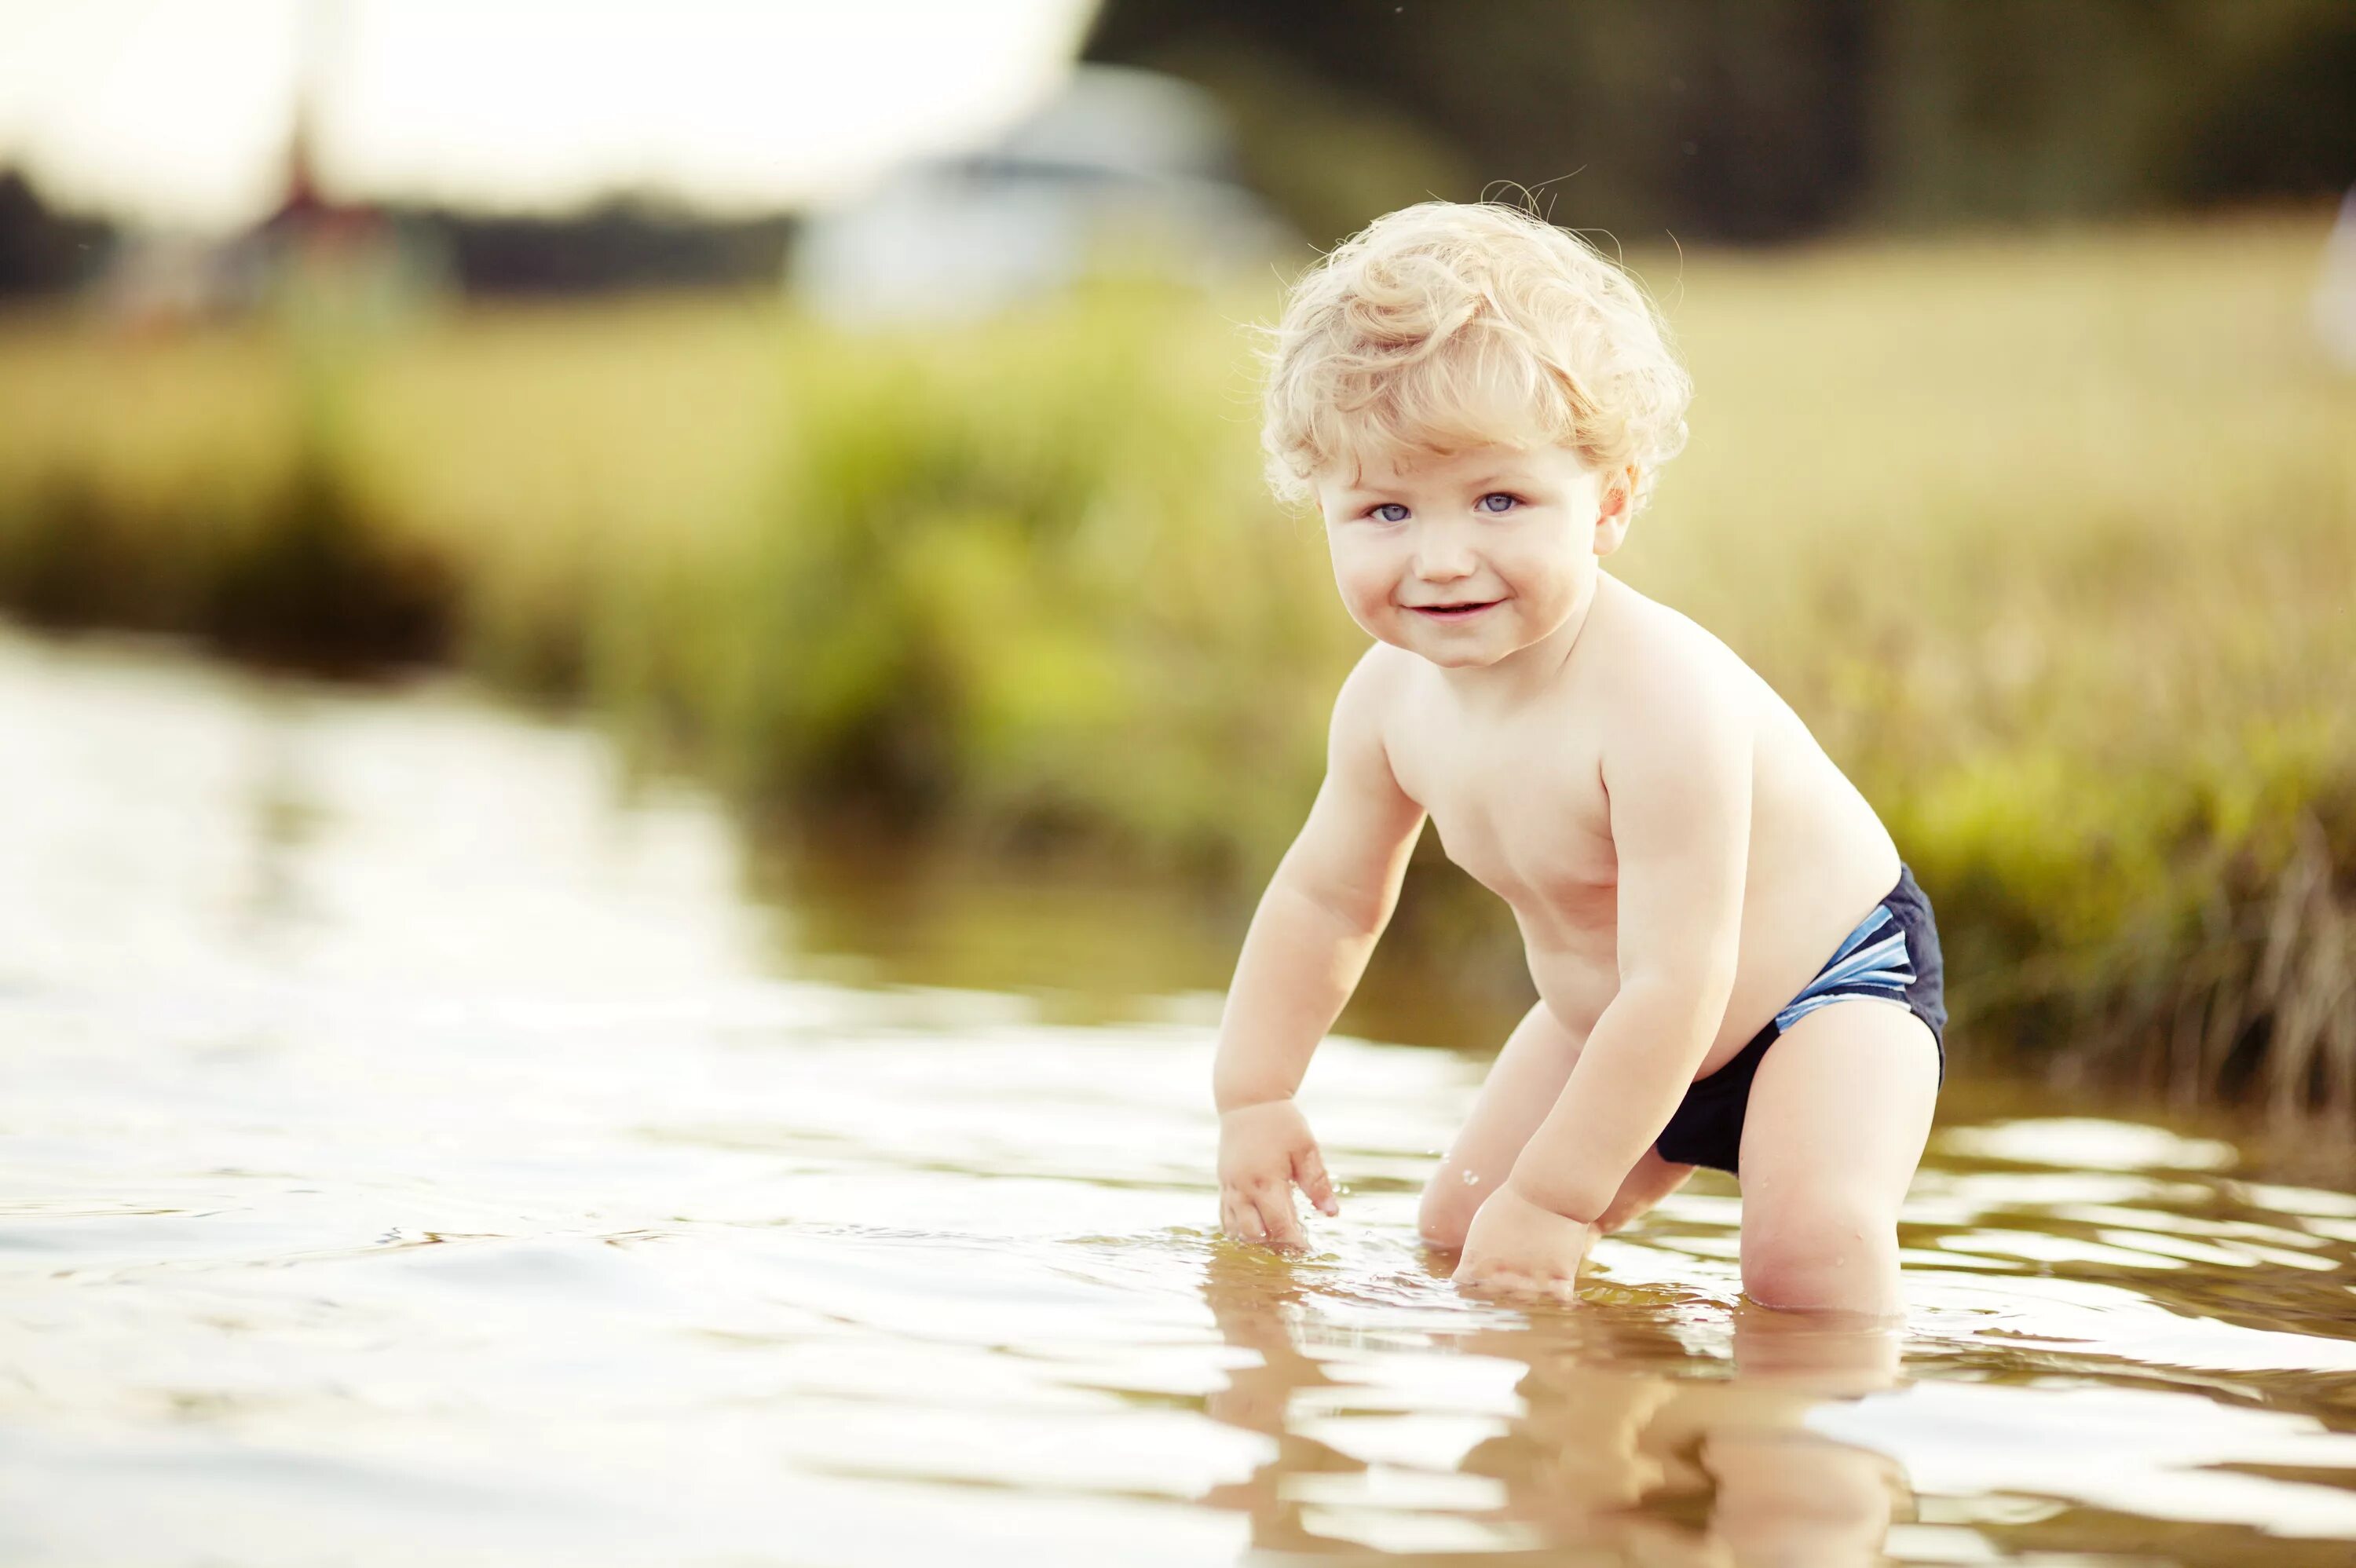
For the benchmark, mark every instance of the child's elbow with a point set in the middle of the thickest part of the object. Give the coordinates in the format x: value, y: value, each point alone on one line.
x: 1685, y: 997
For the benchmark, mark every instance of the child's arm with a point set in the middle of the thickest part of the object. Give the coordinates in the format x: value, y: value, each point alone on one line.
x: 1678, y: 775
x: 1309, y: 941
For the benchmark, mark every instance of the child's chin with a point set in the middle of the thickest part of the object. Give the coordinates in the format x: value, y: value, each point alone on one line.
x: 1462, y: 655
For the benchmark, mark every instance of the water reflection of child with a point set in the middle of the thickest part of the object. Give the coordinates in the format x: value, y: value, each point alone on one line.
x: 1478, y: 403
x: 1608, y: 1455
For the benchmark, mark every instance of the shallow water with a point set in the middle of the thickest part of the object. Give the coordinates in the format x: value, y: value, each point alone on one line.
x: 412, y: 1149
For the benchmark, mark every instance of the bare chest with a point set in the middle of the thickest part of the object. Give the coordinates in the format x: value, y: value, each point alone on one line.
x: 1528, y: 819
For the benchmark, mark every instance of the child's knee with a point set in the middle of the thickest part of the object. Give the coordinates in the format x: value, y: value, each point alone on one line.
x: 1449, y: 1201
x: 1832, y: 1251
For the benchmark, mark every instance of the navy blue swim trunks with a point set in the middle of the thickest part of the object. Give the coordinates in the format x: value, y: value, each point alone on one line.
x: 1893, y: 953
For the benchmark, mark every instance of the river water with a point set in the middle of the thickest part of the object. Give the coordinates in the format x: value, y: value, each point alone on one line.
x: 415, y: 1146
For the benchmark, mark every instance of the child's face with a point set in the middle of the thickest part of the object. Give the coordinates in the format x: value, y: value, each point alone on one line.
x: 1468, y: 559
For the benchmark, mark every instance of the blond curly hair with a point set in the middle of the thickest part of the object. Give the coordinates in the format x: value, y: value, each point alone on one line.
x: 1448, y: 326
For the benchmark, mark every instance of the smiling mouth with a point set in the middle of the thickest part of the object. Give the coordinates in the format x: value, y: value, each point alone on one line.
x: 1453, y: 612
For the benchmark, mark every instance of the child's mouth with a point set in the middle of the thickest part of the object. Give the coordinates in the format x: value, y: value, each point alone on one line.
x: 1452, y: 612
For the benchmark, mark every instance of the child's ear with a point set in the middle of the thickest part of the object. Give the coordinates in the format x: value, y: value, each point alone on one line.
x: 1619, y: 506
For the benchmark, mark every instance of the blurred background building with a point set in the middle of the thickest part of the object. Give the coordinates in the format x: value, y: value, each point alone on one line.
x: 1123, y: 169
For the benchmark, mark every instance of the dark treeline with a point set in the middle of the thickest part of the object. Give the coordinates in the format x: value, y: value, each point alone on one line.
x: 624, y: 244
x: 620, y: 245
x: 41, y: 250
x: 1763, y: 120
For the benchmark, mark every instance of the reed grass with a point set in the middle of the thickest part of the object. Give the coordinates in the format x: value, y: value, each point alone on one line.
x: 2053, y: 540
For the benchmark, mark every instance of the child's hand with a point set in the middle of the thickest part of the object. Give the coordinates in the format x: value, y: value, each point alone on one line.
x: 1517, y: 1247
x: 1263, y: 1151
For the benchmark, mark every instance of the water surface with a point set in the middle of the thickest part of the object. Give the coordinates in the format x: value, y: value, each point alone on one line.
x: 413, y: 1145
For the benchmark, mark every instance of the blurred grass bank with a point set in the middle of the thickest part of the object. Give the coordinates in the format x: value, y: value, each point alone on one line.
x: 2053, y: 540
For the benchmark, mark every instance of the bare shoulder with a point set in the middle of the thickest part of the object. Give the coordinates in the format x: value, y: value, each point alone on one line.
x: 1363, y: 821
x: 1370, y: 695
x: 1670, y: 680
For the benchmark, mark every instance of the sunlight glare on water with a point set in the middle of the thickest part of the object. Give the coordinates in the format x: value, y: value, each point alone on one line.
x: 417, y: 1147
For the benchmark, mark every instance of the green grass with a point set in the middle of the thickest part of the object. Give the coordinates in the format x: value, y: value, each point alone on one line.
x: 2052, y: 541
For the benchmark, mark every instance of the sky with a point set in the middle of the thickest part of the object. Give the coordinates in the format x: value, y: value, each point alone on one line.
x: 175, y: 113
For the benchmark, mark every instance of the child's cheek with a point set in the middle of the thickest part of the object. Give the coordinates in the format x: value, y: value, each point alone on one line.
x: 1547, y: 590
x: 1372, y: 615
x: 1383, y: 619
x: 1365, y: 594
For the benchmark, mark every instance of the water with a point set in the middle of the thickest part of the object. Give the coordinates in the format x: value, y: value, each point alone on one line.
x: 414, y: 1146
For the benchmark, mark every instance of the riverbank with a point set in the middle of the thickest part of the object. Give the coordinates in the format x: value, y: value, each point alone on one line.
x: 2051, y: 540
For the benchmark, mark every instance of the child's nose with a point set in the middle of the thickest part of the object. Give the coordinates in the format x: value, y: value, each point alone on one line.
x: 1442, y: 555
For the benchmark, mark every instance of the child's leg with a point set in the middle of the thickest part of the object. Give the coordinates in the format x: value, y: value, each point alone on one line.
x: 1652, y: 1179
x: 1521, y: 1088
x: 1837, y: 1121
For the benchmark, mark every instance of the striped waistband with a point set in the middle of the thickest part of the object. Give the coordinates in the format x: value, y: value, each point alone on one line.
x: 1872, y: 962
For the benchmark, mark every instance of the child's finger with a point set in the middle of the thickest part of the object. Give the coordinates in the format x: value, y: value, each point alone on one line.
x: 1275, y: 1207
x: 1248, y: 1225
x: 1309, y: 1169
x: 1238, y: 1219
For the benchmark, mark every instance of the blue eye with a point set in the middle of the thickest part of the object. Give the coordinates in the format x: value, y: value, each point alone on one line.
x: 1510, y: 501
x: 1377, y: 512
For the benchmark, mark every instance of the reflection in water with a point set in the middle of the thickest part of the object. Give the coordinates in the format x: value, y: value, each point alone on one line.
x: 283, y: 819
x: 413, y: 1151
x: 1615, y: 1440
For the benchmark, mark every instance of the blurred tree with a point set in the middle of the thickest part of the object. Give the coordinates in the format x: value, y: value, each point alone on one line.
x: 1754, y: 119
x: 41, y: 250
x: 1326, y: 152
x: 619, y: 245
x: 2279, y: 118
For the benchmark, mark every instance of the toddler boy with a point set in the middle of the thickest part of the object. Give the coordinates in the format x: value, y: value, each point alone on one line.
x: 1733, y: 967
